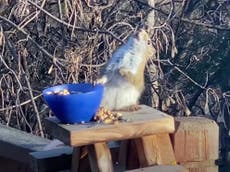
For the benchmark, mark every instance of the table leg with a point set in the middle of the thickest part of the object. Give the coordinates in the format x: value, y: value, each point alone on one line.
x: 122, y: 157
x: 100, y: 157
x: 132, y: 156
x: 155, y: 149
x: 75, y: 159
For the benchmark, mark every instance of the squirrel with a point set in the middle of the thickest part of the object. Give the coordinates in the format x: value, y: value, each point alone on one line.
x: 123, y: 75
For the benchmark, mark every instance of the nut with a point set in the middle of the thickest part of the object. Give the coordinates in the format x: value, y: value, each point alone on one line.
x: 107, y: 117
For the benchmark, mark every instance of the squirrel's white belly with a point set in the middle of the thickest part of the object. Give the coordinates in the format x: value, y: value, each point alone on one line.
x: 118, y: 94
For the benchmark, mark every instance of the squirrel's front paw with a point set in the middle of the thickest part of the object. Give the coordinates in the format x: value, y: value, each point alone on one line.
x: 102, y: 80
x: 123, y: 71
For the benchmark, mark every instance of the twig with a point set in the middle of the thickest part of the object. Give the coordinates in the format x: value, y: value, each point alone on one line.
x: 21, y: 104
x: 183, y: 19
x: 107, y: 17
x: 75, y: 27
x: 186, y: 75
x: 4, y: 63
x: 205, y: 24
x: 40, y: 47
x: 121, y: 23
x: 25, y: 72
x: 28, y: 36
x: 23, y: 114
x: 34, y: 105
x: 30, y: 18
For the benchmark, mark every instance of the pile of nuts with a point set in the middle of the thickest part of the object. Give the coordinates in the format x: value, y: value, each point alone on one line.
x: 63, y: 92
x: 108, y: 117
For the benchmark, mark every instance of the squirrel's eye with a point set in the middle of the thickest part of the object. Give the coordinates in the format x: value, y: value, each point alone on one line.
x: 149, y: 42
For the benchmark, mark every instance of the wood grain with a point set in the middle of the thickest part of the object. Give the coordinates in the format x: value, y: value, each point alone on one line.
x: 103, y: 156
x: 203, y: 169
x: 146, y: 121
x: 195, y: 139
x: 201, y: 166
x: 155, y: 149
x: 161, y: 168
x: 100, y: 157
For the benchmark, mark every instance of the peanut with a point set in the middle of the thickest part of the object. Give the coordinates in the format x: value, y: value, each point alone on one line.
x: 108, y: 117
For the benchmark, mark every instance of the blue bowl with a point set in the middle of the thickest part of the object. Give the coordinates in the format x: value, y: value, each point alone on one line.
x: 80, y: 105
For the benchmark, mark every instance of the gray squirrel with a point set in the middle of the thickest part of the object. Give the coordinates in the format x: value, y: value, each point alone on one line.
x: 123, y: 75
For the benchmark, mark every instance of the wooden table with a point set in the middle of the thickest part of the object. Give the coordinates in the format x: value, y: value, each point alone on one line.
x: 147, y: 127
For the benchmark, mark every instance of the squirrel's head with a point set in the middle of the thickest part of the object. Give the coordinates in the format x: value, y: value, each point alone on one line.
x: 144, y: 42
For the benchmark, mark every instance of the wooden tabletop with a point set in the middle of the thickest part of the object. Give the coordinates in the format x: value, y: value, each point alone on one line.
x: 146, y: 121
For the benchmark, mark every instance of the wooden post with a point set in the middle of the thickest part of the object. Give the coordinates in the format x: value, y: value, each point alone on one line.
x: 75, y: 159
x: 196, y: 143
x: 155, y: 149
x: 122, y: 159
x: 100, y: 157
x: 132, y: 159
x: 103, y: 155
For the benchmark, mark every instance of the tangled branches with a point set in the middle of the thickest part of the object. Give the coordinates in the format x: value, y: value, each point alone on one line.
x: 44, y: 43
x: 48, y: 43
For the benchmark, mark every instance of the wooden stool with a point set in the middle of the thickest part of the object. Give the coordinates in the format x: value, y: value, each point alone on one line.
x: 149, y: 129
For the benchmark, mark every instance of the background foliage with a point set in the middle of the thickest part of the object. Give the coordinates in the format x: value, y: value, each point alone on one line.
x: 44, y: 43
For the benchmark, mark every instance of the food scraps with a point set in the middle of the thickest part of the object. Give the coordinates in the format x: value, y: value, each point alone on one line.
x: 108, y: 117
x: 64, y: 92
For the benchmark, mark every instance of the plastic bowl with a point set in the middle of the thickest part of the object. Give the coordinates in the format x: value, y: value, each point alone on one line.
x: 78, y: 106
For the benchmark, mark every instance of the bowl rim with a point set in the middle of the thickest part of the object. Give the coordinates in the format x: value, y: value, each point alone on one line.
x: 44, y: 92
